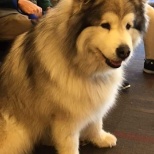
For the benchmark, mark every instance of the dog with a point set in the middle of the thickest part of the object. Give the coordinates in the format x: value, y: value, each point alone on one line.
x: 65, y: 73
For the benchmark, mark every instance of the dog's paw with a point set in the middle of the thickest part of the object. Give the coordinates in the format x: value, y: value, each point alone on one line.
x: 107, y: 140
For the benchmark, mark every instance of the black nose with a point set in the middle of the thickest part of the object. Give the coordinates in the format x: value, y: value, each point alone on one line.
x: 123, y: 51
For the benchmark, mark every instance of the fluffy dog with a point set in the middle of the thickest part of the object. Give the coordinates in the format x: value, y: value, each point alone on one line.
x: 65, y: 74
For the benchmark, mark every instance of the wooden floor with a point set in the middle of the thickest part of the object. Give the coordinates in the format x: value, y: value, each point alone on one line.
x: 132, y: 119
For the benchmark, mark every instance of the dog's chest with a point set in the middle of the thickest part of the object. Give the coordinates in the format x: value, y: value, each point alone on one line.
x: 88, y: 98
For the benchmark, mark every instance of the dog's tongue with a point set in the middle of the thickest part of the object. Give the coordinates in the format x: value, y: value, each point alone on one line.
x: 114, y: 64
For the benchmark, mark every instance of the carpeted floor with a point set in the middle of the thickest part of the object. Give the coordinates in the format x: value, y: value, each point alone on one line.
x: 132, y: 119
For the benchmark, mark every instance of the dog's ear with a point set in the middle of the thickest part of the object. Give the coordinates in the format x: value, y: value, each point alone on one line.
x: 83, y: 1
x: 86, y: 1
x: 82, y: 4
x: 145, y: 1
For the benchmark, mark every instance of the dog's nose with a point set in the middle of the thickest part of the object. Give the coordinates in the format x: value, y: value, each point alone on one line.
x: 123, y: 51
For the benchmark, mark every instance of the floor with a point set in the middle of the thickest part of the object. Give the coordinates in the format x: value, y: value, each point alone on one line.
x: 132, y: 119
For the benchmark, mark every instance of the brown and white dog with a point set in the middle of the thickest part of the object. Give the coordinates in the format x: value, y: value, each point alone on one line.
x: 65, y: 74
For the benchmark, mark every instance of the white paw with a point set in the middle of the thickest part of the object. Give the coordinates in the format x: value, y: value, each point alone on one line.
x: 107, y: 140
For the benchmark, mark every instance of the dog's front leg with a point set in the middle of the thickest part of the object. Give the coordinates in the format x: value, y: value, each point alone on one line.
x: 65, y: 136
x: 95, y: 134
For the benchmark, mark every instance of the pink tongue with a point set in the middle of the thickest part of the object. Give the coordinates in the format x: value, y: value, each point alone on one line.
x: 115, y: 63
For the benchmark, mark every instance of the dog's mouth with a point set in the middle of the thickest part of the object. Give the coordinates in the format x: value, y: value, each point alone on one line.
x: 111, y: 63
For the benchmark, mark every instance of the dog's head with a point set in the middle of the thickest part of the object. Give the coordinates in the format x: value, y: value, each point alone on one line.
x: 105, y: 31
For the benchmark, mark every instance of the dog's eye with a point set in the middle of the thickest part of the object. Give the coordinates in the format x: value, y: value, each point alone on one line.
x: 106, y: 26
x: 128, y: 26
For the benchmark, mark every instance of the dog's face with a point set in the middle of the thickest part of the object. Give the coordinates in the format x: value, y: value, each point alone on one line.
x: 110, y: 31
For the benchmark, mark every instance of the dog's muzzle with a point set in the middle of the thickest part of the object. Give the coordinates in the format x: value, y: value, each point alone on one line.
x: 123, y: 52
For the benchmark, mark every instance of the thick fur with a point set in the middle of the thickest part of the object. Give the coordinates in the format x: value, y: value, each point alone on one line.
x: 57, y: 75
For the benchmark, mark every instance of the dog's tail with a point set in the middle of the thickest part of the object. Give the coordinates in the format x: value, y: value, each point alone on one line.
x: 14, y: 138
